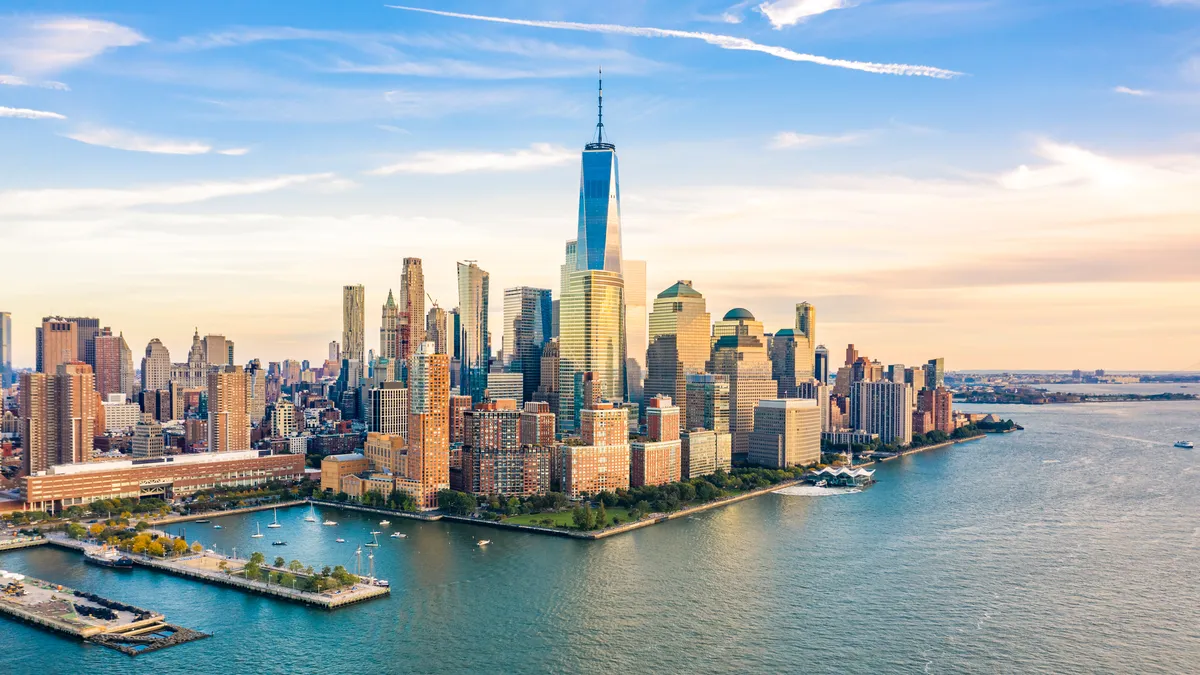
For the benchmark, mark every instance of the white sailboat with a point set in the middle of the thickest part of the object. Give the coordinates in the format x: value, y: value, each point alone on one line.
x: 374, y: 540
x: 312, y: 514
x: 258, y: 532
x: 275, y: 523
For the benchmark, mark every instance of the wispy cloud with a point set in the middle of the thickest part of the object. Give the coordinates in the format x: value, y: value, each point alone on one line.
x: 53, y: 44
x: 722, y: 41
x: 784, y: 13
x: 1130, y: 92
x: 26, y: 113
x: 234, y: 152
x: 15, y: 81
x: 786, y: 140
x: 36, y: 203
x: 119, y: 139
x: 442, y: 162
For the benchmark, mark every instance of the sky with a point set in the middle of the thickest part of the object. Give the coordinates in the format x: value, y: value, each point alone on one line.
x: 1004, y: 183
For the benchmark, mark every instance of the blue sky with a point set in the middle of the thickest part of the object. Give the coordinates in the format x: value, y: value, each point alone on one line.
x: 230, y: 165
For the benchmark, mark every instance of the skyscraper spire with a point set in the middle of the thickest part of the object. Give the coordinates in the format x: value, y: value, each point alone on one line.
x: 600, y: 106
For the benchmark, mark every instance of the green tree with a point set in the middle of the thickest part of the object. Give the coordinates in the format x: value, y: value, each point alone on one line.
x: 279, y: 561
x: 257, y: 558
x: 601, y: 516
x: 296, y: 566
x: 287, y: 579
x: 76, y: 531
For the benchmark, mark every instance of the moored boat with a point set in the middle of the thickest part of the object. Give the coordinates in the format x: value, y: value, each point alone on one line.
x: 106, y: 557
x: 1186, y: 445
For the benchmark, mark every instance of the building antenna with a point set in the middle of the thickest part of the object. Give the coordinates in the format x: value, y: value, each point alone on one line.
x: 600, y: 105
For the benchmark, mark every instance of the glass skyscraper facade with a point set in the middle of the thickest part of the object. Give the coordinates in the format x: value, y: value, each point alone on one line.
x: 592, y: 339
x: 474, y: 350
x: 527, y: 319
x: 599, y: 239
x: 5, y: 349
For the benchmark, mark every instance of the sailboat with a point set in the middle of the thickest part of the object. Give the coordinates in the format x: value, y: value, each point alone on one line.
x: 312, y: 514
x: 276, y: 522
x: 374, y: 540
x: 258, y: 532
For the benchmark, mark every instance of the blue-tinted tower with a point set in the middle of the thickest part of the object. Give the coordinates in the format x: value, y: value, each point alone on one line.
x: 599, y: 239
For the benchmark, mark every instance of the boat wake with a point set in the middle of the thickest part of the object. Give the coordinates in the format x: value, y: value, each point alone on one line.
x: 814, y: 491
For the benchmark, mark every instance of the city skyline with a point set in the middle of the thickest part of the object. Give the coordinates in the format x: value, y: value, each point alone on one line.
x: 1039, y: 234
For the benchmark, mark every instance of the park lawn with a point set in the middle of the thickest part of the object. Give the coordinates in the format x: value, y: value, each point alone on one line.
x: 563, y: 518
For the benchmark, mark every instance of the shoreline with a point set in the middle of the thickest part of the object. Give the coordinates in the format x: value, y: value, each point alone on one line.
x: 169, y: 520
x: 924, y: 448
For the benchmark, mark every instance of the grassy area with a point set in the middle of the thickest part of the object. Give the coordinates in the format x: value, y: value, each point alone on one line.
x: 563, y: 518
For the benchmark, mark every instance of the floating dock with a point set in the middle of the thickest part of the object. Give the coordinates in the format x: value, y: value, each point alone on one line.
x: 89, y: 617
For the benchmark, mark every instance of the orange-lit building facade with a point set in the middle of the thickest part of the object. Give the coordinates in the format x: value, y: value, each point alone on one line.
x: 429, y: 422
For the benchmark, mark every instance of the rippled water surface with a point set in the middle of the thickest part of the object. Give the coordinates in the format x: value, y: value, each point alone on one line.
x: 1071, y: 547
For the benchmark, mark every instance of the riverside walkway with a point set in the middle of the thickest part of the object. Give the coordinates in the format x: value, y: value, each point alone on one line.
x: 205, y: 566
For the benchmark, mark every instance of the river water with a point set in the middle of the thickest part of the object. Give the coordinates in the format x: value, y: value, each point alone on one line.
x: 1071, y: 547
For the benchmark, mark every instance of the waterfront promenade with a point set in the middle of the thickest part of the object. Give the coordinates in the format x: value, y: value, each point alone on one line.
x: 209, y: 515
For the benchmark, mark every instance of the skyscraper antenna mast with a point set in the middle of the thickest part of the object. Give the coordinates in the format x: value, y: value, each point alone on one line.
x: 600, y: 105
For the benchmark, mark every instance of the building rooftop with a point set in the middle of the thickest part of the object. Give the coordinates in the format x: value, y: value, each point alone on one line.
x: 738, y: 313
x: 680, y: 289
x: 346, y: 457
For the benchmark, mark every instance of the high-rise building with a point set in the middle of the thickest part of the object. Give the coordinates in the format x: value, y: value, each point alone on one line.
x: 570, y: 259
x: 436, y: 329
x: 805, y: 332
x: 939, y: 403
x: 389, y: 409
x: 6, y: 369
x: 787, y: 432
x: 851, y: 354
x: 156, y: 367
x: 704, y: 452
x: 501, y: 385
x: 411, y: 329
x: 935, y: 373
x: 474, y: 349
x: 656, y: 460
x: 915, y: 377
x: 637, y: 335
x: 662, y: 419
x: 591, y: 338
x: 335, y: 349
x: 787, y: 355
x: 228, y: 417
x: 194, y: 372
x: 216, y: 350
x: 458, y: 404
x: 60, y: 415
x: 679, y: 341
x: 58, y: 343
x: 537, y: 424
x: 353, y: 335
x: 86, y: 330
x: 740, y: 354
x: 821, y: 364
x: 527, y: 317
x: 602, y: 462
x: 256, y: 392
x: 883, y: 408
x: 708, y: 402
x: 120, y: 416
x: 389, y: 328
x: 284, y: 422
x: 147, y: 438
x: 108, y: 363
x: 599, y: 240
x: 428, y: 422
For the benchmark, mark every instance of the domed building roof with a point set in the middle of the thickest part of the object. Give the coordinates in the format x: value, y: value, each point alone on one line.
x: 738, y: 314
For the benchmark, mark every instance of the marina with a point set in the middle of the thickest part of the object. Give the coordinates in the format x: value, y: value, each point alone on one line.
x: 89, y: 617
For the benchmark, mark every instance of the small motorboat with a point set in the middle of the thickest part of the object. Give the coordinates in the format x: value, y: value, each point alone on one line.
x: 217, y: 527
x: 330, y: 523
x: 203, y: 522
x: 821, y: 483
x: 483, y: 542
x: 279, y: 543
x: 1186, y: 445
x: 399, y: 535
x: 382, y: 582
x: 340, y: 540
x: 384, y: 523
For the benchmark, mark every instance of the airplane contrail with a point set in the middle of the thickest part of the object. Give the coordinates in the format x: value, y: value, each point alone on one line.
x: 722, y: 41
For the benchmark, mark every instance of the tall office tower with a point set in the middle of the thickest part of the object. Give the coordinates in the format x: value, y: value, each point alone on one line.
x: 60, y: 414
x: 915, y: 377
x: 598, y: 244
x: 389, y: 409
x: 216, y: 351
x: 411, y: 331
x: 57, y: 343
x: 787, y: 432
x: 547, y: 391
x: 194, y: 372
x: 37, y: 430
x: 86, y: 330
x: 428, y: 422
x: 537, y: 424
x: 935, y: 373
x: 389, y: 329
x: 679, y: 341
x: 353, y: 336
x: 256, y: 392
x: 787, y: 355
x: 129, y: 379
x: 740, y: 353
x: 821, y: 364
x: 335, y: 349
x: 591, y: 338
x: 383, y: 370
x: 228, y: 420
x: 708, y: 402
x: 6, y: 368
x: 108, y: 363
x: 851, y: 354
x: 895, y: 372
x: 156, y: 366
x: 457, y: 405
x: 883, y: 408
x: 454, y: 328
x: 637, y: 336
x: 564, y: 272
x: 526, y: 331
x: 229, y: 359
x: 806, y: 340
x: 147, y: 438
x: 474, y: 350
x: 436, y: 329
